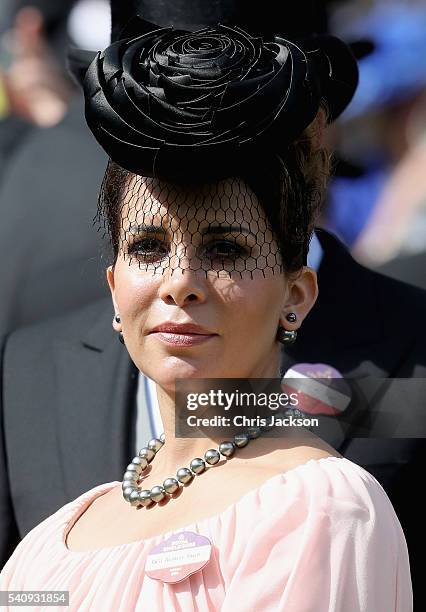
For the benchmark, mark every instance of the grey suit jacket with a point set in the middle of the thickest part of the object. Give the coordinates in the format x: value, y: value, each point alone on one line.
x: 68, y: 416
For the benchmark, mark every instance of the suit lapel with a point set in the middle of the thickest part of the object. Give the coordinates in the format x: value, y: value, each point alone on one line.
x: 96, y: 391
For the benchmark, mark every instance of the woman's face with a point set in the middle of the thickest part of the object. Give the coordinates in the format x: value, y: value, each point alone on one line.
x: 179, y: 265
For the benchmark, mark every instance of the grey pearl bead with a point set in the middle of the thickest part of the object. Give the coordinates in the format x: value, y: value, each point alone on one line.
x: 133, y: 476
x: 145, y: 497
x: 155, y: 444
x: 158, y: 493
x: 127, y: 482
x: 132, y: 467
x: 241, y: 440
x: 147, y: 453
x: 197, y: 465
x: 286, y: 337
x: 253, y: 432
x: 140, y: 461
x: 212, y: 456
x: 134, y: 497
x: 294, y: 412
x: 227, y: 449
x: 126, y: 493
x: 184, y: 475
x: 171, y: 485
x: 163, y: 437
x: 267, y: 427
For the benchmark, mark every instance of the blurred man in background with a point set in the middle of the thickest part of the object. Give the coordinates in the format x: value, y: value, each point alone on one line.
x: 52, y: 167
x: 35, y: 88
x: 36, y: 84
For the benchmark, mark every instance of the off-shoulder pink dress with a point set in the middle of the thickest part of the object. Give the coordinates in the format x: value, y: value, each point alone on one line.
x: 322, y: 537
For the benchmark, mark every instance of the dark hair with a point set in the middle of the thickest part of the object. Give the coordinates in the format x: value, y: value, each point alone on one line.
x: 290, y: 188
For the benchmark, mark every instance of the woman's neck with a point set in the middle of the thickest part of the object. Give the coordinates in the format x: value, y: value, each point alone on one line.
x: 178, y: 451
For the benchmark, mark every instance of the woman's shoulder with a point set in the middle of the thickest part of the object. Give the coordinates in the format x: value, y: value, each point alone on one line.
x: 320, y: 470
x: 48, y: 535
x: 317, y: 481
x: 322, y: 533
x: 324, y: 502
x: 80, y: 501
x: 53, y: 524
x: 327, y: 480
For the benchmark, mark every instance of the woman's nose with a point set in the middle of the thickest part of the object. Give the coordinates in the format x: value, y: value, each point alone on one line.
x: 183, y: 286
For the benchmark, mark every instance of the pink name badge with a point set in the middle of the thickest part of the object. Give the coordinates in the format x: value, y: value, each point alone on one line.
x: 176, y: 558
x: 320, y: 388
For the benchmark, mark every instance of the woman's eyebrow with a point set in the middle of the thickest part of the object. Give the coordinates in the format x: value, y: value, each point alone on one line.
x: 142, y: 228
x: 227, y: 229
x: 210, y: 229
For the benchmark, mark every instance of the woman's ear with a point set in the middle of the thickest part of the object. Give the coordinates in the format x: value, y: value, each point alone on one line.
x: 111, y: 284
x: 301, y: 296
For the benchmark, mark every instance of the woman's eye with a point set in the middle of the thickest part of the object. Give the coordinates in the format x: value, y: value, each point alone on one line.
x: 224, y: 249
x: 149, y: 248
x: 152, y: 249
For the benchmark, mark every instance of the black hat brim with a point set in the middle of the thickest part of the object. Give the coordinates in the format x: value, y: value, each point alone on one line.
x: 337, y: 71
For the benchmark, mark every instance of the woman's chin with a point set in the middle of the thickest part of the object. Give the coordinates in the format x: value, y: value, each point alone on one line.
x: 174, y: 368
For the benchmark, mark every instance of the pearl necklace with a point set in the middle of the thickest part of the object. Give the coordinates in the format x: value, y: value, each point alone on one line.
x: 133, y: 475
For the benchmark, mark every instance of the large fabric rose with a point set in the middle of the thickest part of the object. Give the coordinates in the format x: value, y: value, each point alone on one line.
x: 190, y: 105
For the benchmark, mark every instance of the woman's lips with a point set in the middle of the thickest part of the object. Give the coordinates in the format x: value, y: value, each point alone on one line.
x: 179, y: 339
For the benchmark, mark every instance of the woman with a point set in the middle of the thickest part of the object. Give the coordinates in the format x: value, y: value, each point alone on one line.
x: 210, y: 201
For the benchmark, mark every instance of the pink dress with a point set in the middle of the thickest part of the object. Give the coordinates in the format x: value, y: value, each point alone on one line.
x: 322, y: 537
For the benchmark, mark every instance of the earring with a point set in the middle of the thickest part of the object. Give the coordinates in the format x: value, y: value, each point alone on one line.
x: 117, y: 319
x: 291, y: 317
x: 286, y: 337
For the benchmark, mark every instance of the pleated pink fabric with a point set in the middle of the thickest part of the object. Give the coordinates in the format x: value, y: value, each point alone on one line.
x: 322, y: 537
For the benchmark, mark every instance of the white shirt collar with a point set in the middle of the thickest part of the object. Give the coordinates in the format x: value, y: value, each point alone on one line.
x: 315, y: 253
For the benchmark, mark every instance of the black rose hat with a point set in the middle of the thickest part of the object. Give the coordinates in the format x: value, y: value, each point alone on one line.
x: 178, y: 104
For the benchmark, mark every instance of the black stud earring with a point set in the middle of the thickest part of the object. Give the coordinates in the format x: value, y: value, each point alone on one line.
x: 286, y: 337
x: 117, y: 318
x: 291, y: 317
x: 121, y: 337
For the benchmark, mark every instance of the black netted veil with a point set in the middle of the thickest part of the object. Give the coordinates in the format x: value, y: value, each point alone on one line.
x: 210, y: 227
x: 204, y: 130
x: 257, y: 222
